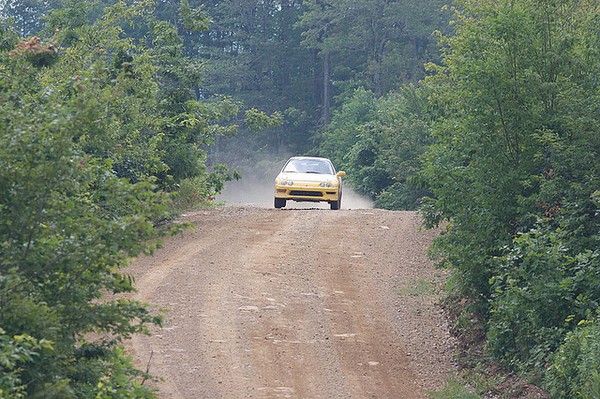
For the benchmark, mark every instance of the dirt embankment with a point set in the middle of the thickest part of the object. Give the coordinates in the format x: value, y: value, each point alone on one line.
x: 304, y: 303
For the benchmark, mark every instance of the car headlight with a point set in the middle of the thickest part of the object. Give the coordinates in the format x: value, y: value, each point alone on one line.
x: 287, y: 183
x: 326, y: 184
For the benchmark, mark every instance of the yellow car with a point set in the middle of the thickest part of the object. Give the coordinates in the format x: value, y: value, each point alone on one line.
x: 309, y: 179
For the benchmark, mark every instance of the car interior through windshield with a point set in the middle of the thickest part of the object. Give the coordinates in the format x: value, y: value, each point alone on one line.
x: 308, y: 166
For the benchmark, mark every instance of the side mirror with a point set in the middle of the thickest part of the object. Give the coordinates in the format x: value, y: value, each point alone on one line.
x: 341, y: 173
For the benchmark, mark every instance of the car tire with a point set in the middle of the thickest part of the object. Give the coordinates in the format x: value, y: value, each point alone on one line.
x: 279, y: 202
x: 336, y: 205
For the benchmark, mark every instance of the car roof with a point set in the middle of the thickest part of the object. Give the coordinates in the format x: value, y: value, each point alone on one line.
x: 312, y: 158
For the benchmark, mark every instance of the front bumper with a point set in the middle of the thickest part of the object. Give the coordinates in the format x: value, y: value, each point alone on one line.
x: 310, y: 192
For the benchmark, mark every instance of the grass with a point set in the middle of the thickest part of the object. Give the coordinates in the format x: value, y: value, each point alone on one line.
x: 419, y: 287
x: 454, y: 390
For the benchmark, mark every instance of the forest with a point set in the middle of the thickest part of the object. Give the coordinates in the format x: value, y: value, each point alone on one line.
x: 116, y: 115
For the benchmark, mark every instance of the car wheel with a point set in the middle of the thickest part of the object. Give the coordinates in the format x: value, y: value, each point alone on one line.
x: 334, y: 205
x: 279, y: 202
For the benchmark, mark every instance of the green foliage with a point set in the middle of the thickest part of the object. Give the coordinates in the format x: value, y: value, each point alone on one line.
x: 194, y: 20
x: 96, y: 127
x: 91, y: 138
x: 514, y: 170
x: 25, y: 14
x: 575, y: 371
x: 454, y: 390
x: 263, y: 54
x: 373, y: 43
x: 8, y: 38
x: 538, y: 274
x: 15, y: 351
x: 301, y: 59
x: 157, y: 125
x: 118, y: 378
x: 258, y: 120
x: 400, y: 196
x: 378, y: 142
x: 343, y: 132
x: 68, y: 224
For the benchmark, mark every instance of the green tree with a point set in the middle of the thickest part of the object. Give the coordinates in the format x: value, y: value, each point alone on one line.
x: 514, y: 169
x: 84, y: 159
x: 159, y: 125
x: 379, y: 141
x: 255, y: 57
x: 68, y: 223
x: 97, y: 127
x: 375, y: 44
x: 403, y: 125
x: 26, y: 14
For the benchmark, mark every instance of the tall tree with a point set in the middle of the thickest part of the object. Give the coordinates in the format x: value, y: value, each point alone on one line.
x: 92, y: 125
x: 515, y: 172
x: 378, y: 141
x: 367, y: 43
x: 26, y: 14
x: 68, y: 222
x: 252, y: 53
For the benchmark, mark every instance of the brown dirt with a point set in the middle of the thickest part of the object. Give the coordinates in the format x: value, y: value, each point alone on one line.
x: 304, y: 303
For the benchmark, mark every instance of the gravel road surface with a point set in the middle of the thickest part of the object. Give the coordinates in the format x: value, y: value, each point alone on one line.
x: 300, y: 303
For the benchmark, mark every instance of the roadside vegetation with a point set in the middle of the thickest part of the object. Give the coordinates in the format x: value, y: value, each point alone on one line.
x: 101, y: 135
x: 116, y: 115
x: 514, y: 172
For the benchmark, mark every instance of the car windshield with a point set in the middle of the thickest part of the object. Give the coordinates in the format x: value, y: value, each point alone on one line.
x: 308, y: 166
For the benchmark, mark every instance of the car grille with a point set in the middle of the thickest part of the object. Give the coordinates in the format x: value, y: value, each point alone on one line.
x: 306, y: 193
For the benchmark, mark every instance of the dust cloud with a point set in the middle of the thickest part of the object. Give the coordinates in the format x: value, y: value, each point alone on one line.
x: 259, y: 192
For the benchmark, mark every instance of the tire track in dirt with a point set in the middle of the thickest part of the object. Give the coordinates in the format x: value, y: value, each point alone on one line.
x: 293, y: 304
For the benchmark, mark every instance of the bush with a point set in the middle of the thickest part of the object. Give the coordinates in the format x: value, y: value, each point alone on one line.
x: 400, y: 196
x: 575, y: 370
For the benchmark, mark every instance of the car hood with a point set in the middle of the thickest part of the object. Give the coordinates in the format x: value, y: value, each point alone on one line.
x: 308, y: 177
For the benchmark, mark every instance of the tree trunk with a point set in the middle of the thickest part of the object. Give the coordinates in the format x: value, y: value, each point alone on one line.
x: 326, y: 110
x: 316, y: 79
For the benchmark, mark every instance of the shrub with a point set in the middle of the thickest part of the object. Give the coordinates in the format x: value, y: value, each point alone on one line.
x: 575, y: 370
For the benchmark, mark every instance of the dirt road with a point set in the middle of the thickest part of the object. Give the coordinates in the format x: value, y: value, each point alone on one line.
x: 304, y: 303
